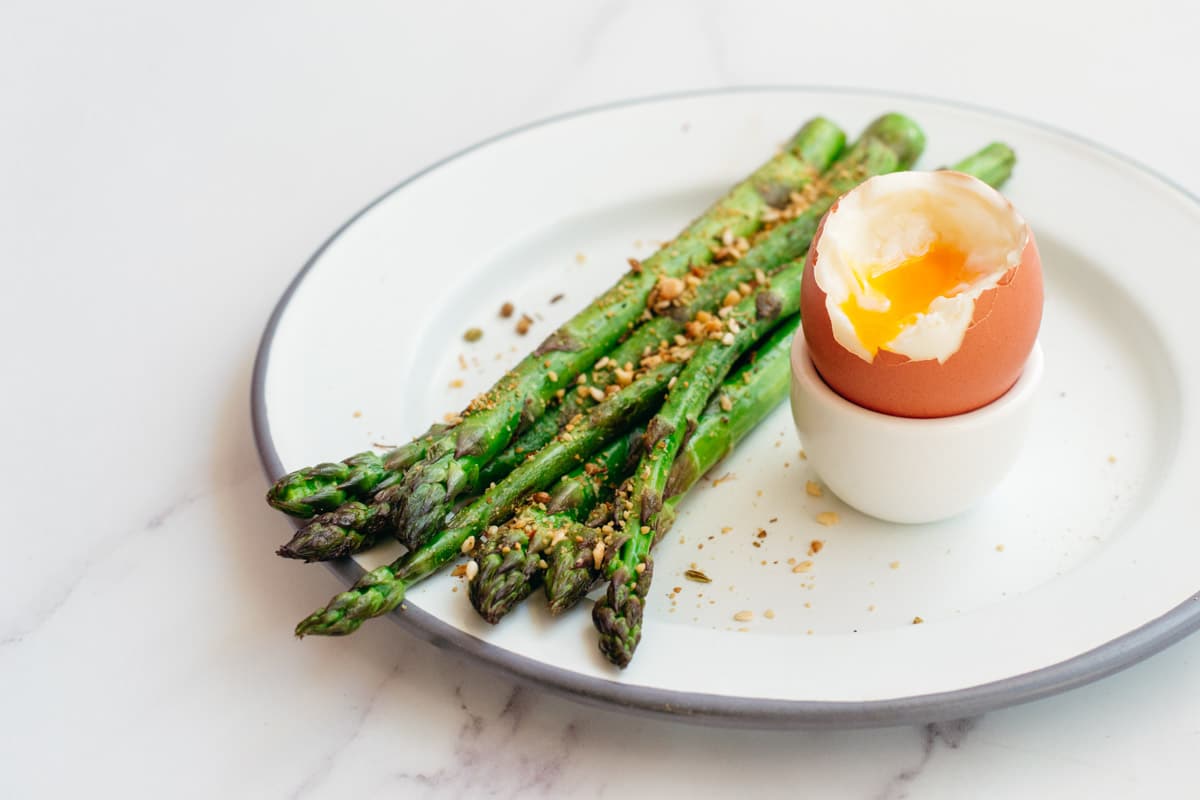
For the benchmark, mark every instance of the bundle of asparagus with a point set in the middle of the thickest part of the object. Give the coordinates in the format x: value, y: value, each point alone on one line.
x: 587, y: 446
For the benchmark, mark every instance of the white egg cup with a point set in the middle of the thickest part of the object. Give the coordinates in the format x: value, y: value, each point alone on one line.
x: 901, y: 469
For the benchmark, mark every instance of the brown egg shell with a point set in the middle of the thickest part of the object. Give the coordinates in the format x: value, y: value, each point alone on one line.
x: 993, y: 352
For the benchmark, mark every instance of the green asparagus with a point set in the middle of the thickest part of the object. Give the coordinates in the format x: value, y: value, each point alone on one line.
x: 885, y: 145
x: 382, y: 589
x: 454, y: 461
x: 510, y: 558
x: 745, y: 398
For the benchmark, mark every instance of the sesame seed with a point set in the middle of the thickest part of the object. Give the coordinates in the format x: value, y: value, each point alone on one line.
x: 726, y: 403
x: 743, y: 616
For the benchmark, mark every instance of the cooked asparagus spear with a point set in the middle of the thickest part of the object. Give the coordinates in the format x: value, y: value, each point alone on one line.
x: 382, y: 589
x: 745, y: 398
x: 643, y: 516
x: 886, y: 145
x: 510, y: 558
x: 618, y: 614
x: 454, y: 461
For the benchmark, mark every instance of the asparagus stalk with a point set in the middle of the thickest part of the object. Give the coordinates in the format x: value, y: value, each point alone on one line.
x: 454, y: 461
x: 745, y: 398
x: 618, y: 614
x: 886, y: 145
x: 382, y: 589
x: 643, y: 516
x: 510, y: 559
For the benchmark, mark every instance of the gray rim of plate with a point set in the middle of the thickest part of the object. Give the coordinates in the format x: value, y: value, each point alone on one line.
x: 743, y: 712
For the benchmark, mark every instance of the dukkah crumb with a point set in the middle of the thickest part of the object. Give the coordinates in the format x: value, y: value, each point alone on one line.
x: 580, y: 258
x: 726, y: 529
x: 917, y: 621
x: 999, y: 548
x: 473, y: 334
x: 462, y: 362
x: 728, y: 476
x: 815, y: 546
x: 743, y: 616
x: 452, y: 418
x: 697, y: 576
x: 894, y: 565
x: 459, y: 571
x: 803, y: 456
x: 357, y: 414
x: 456, y: 383
x: 803, y: 566
x: 556, y: 298
x: 523, y: 324
x: 769, y: 614
x: 813, y: 489
x: 827, y: 518
x: 507, y: 310
x: 1112, y: 459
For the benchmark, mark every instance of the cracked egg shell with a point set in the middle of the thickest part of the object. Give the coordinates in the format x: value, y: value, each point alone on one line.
x: 964, y: 349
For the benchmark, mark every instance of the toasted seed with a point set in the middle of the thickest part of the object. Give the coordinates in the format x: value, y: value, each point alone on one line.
x: 697, y: 576
x: 744, y: 616
x: 598, y: 555
x: 473, y: 334
x: 669, y: 288
x: 803, y: 566
x: 507, y: 310
x: 472, y: 570
x: 468, y: 545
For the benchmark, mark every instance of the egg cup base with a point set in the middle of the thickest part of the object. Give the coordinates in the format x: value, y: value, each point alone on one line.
x: 908, y: 470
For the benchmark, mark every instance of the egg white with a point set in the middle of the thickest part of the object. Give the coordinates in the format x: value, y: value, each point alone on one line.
x: 891, y: 218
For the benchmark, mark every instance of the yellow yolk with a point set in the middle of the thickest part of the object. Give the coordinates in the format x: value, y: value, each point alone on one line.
x: 907, y: 289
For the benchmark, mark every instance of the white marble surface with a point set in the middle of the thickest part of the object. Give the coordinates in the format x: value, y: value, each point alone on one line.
x: 164, y: 170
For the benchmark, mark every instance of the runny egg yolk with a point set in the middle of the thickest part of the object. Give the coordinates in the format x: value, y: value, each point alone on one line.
x: 904, y: 292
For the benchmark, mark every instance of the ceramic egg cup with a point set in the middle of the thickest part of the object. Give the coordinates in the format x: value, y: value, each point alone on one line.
x: 902, y: 469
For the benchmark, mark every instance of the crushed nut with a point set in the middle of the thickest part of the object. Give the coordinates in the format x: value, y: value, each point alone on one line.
x: 813, y: 489
x: 598, y: 555
x: 507, y: 310
x: 827, y: 518
x: 744, y: 616
x: 523, y: 324
x: 468, y: 545
x: 472, y: 570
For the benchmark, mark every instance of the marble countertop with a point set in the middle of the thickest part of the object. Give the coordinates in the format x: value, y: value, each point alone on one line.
x: 167, y: 169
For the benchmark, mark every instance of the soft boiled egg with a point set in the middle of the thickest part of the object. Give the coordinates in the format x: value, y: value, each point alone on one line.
x: 922, y: 295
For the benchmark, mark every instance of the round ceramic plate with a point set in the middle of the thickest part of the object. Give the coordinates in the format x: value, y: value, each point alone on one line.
x: 1080, y: 563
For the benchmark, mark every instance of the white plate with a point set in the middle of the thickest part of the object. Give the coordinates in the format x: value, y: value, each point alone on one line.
x: 1081, y: 563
